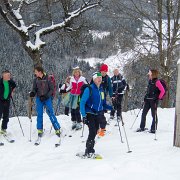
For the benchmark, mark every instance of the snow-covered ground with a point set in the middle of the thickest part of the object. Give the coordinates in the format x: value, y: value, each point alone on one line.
x: 150, y: 159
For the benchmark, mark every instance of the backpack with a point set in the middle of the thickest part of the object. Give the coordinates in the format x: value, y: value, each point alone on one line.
x: 53, y: 81
x: 164, y: 84
x: 83, y: 87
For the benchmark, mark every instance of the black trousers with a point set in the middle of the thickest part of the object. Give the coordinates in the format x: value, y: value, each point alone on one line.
x: 75, y: 115
x: 93, y: 125
x: 66, y: 111
x: 117, y: 105
x: 149, y: 104
x: 102, y: 121
x: 4, y: 111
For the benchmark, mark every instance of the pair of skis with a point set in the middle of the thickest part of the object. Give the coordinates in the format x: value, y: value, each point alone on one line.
x: 92, y: 156
x: 38, y: 142
x: 7, y: 138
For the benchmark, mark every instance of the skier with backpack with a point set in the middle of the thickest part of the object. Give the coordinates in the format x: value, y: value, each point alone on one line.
x: 92, y: 106
x: 43, y: 90
x: 118, y: 85
x: 155, y: 92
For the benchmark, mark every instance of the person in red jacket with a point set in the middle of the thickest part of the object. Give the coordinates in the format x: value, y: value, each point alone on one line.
x: 155, y: 91
x: 76, y: 82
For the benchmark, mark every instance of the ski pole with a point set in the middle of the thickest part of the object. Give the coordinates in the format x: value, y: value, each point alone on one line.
x: 30, y: 130
x: 129, y: 151
x: 118, y: 121
x: 119, y: 131
x: 17, y: 115
x: 30, y: 116
x: 58, y: 104
x: 155, y: 138
x: 136, y: 116
x: 82, y: 131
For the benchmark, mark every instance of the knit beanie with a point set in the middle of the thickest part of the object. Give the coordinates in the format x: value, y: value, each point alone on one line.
x: 104, y: 68
x: 96, y: 74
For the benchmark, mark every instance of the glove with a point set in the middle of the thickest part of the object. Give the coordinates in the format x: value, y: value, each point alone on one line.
x: 43, y: 98
x: 62, y: 91
x: 32, y: 94
x: 113, y: 98
x: 85, y: 121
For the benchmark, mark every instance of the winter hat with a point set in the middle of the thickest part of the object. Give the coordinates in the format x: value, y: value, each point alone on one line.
x: 96, y: 74
x: 104, y: 68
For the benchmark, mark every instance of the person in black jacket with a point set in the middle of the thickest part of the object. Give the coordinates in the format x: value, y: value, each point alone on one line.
x: 118, y: 84
x: 155, y: 92
x: 7, y: 86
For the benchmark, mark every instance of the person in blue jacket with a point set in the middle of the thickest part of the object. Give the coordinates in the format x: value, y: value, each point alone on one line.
x: 92, y: 106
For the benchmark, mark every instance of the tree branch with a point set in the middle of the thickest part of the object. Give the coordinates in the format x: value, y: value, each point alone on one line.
x: 8, y: 21
x: 39, y: 43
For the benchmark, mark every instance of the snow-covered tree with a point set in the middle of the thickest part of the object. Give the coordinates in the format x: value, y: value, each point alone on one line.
x: 33, y: 35
x: 161, y: 20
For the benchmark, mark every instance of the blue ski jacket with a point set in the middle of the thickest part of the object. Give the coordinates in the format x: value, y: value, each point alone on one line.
x: 93, y: 101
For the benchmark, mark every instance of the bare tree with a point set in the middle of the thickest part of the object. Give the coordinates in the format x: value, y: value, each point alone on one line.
x: 31, y: 35
x: 162, y: 18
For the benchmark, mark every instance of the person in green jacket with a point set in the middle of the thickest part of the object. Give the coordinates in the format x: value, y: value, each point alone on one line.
x: 7, y: 86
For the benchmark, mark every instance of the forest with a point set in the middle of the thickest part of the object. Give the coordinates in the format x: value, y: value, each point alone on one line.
x: 57, y: 33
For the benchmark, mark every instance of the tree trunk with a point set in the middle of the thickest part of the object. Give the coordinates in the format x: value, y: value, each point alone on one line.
x: 168, y: 61
x: 177, y: 112
x: 164, y: 66
x: 35, y: 55
x: 160, y: 33
x: 125, y: 107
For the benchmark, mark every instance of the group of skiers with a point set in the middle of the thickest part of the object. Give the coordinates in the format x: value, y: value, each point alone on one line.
x: 89, y: 104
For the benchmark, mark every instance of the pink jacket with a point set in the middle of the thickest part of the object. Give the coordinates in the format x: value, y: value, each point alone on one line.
x: 75, y: 86
x: 161, y: 89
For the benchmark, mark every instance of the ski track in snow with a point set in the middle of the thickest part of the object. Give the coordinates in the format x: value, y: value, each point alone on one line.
x: 157, y: 160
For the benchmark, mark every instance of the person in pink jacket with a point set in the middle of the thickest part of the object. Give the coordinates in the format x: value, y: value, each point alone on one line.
x: 155, y: 92
x: 76, y: 82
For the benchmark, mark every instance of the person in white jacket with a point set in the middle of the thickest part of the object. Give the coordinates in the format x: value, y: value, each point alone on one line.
x: 76, y: 82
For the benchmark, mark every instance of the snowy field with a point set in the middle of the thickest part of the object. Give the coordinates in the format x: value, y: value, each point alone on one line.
x: 149, y: 160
